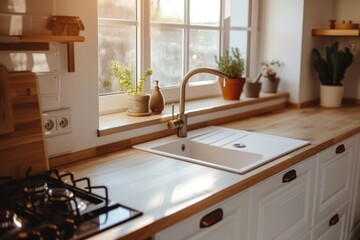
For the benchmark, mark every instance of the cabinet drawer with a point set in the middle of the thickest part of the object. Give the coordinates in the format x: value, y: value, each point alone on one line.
x: 354, y: 212
x: 232, y: 226
x: 282, y: 205
x: 333, y: 227
x: 333, y: 178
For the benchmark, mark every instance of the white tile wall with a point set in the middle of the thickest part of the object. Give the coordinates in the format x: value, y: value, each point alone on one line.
x: 29, y: 17
x: 39, y: 7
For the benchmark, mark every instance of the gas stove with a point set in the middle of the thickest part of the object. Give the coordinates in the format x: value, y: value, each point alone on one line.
x: 57, y: 206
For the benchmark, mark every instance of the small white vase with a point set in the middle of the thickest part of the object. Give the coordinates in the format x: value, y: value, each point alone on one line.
x: 331, y: 96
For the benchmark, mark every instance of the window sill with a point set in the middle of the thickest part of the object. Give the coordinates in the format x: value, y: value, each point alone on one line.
x: 207, y: 108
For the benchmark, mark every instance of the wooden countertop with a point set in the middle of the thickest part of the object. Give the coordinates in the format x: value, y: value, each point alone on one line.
x: 168, y: 190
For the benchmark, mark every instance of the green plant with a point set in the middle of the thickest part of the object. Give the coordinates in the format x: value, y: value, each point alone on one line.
x: 268, y: 69
x: 331, y: 69
x: 234, y: 65
x: 123, y: 75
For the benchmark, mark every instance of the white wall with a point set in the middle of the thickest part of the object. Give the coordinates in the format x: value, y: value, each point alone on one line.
x: 286, y: 35
x: 79, y: 90
x: 284, y: 38
x: 281, y: 30
x: 309, y: 82
x: 349, y: 10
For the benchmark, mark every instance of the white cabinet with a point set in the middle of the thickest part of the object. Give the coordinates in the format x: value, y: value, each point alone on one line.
x: 226, y: 220
x: 317, y: 199
x: 333, y: 227
x: 281, y: 206
x: 333, y: 178
x: 354, y: 216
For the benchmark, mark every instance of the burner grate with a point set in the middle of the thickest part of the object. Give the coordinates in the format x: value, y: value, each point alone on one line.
x: 44, y: 202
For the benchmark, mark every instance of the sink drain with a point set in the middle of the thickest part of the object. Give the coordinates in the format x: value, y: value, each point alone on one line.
x: 239, y: 145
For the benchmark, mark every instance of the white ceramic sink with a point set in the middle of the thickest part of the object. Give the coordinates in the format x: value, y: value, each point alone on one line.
x: 223, y: 148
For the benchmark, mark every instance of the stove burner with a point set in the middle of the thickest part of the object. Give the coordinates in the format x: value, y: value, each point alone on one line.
x: 8, y: 220
x: 66, y: 200
x: 53, y: 206
x: 60, y: 194
x: 35, y: 188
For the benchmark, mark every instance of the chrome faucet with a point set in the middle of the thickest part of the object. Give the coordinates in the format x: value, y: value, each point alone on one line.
x: 180, y: 123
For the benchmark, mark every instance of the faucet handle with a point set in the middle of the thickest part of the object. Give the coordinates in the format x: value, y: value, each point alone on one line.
x: 175, y: 123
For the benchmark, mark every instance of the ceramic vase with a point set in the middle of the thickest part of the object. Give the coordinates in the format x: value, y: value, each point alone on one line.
x: 331, y: 96
x: 138, y: 105
x: 252, y: 89
x: 270, y: 86
x: 157, y: 101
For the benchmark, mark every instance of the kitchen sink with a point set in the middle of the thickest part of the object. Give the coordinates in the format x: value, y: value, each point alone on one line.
x: 224, y: 148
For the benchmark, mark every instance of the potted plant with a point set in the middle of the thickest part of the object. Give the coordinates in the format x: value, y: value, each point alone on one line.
x: 331, y: 71
x: 234, y: 66
x: 138, y: 104
x: 271, y: 81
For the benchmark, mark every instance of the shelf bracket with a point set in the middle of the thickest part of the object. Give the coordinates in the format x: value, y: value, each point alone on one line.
x: 70, y: 56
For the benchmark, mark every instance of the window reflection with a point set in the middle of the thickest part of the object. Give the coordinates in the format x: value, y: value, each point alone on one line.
x: 41, y: 62
x: 16, y: 25
x: 35, y: 62
x: 19, y: 61
x: 18, y: 6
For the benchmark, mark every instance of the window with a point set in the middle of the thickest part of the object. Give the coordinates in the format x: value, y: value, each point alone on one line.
x: 172, y: 37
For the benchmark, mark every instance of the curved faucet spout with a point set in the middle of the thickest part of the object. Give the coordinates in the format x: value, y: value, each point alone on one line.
x: 188, y: 76
x: 181, y: 122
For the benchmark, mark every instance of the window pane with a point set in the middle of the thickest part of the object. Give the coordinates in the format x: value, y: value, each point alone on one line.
x: 204, y: 46
x: 169, y: 11
x: 205, y: 12
x: 167, y: 55
x: 115, y: 43
x: 239, y: 13
x: 239, y: 39
x: 121, y: 9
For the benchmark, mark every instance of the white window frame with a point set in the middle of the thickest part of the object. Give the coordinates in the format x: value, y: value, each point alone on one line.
x: 118, y: 102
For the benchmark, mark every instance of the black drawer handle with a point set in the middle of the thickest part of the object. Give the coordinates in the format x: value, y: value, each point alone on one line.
x: 289, y: 176
x: 211, y: 218
x: 340, y: 149
x: 334, y: 220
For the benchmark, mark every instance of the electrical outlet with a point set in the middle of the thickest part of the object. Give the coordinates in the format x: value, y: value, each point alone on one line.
x: 49, y: 125
x: 63, y: 122
x: 57, y: 122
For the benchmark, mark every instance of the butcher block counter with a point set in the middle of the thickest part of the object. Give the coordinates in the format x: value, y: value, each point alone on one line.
x: 168, y: 191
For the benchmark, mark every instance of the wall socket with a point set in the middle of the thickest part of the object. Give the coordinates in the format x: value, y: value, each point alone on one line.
x: 57, y: 122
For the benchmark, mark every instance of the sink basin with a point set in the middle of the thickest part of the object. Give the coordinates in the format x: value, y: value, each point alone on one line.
x: 223, y: 148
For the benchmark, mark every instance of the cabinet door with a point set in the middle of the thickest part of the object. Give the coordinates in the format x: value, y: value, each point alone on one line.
x: 226, y: 229
x: 282, y: 205
x: 232, y: 226
x: 354, y: 218
x: 333, y: 227
x: 333, y: 178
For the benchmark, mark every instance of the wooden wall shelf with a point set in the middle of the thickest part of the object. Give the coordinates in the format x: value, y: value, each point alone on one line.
x: 336, y: 32
x: 41, y: 42
x: 51, y: 38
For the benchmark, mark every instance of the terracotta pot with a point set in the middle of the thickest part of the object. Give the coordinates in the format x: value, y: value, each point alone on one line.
x: 331, y: 96
x: 231, y: 88
x: 252, y: 89
x: 138, y: 105
x: 270, y: 86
